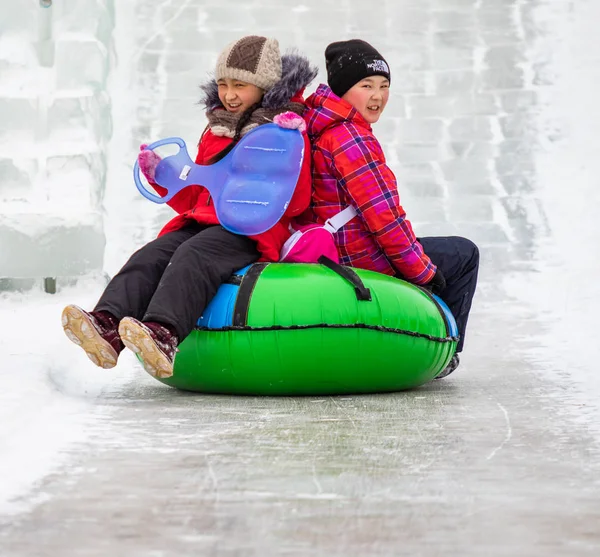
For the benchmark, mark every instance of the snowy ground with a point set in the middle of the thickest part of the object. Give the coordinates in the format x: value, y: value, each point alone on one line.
x: 502, y: 458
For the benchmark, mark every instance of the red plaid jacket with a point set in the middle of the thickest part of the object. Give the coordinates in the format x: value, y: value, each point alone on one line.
x: 349, y: 168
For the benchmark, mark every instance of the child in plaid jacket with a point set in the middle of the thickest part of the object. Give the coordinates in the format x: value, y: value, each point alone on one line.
x: 349, y: 169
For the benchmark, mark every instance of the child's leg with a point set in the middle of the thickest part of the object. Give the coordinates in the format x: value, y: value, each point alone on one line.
x: 128, y: 293
x: 131, y: 289
x: 198, y: 268
x: 458, y: 258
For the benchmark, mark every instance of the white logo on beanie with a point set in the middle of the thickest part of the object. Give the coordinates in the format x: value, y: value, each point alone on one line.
x: 378, y: 66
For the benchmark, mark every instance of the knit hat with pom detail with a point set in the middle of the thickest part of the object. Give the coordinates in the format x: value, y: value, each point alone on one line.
x: 252, y: 59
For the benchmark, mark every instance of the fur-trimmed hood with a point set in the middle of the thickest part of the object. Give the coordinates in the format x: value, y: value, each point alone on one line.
x: 296, y: 73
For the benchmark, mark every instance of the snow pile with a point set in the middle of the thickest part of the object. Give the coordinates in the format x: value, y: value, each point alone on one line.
x: 49, y: 389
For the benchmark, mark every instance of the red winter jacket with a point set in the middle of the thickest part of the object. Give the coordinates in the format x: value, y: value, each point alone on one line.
x: 349, y: 168
x: 195, y: 202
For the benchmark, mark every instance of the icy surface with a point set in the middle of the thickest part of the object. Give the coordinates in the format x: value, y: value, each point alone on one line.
x: 491, y: 130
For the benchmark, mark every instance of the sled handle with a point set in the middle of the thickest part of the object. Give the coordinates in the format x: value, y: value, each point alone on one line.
x: 136, y: 171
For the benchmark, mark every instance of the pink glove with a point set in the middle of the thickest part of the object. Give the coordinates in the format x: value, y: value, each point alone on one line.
x: 148, y: 160
x: 291, y: 121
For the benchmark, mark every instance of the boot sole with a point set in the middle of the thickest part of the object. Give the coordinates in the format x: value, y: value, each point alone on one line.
x: 139, y: 340
x: 80, y: 330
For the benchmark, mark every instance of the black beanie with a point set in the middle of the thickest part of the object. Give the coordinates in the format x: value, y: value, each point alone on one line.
x: 348, y: 62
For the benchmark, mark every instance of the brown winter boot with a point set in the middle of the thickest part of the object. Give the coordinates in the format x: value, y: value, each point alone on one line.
x: 154, y: 343
x: 96, y: 332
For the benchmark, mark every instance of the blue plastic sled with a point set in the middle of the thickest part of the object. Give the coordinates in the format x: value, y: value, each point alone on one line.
x: 251, y: 186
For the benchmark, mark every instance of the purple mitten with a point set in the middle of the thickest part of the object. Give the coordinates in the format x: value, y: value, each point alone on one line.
x: 290, y: 120
x: 148, y: 160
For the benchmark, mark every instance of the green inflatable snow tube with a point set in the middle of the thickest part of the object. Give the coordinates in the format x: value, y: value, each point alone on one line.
x: 310, y: 329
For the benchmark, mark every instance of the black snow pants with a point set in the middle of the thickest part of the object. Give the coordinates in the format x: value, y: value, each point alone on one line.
x: 458, y: 259
x: 172, y: 279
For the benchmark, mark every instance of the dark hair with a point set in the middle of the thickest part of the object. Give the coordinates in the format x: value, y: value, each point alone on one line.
x: 244, y: 119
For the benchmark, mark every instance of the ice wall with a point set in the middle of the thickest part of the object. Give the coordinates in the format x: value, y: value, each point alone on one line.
x: 460, y: 131
x: 56, y: 122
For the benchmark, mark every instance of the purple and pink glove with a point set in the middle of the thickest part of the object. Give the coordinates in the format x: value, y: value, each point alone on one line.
x: 291, y: 121
x: 148, y: 160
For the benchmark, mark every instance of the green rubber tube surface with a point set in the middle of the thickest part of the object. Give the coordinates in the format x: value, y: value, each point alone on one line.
x: 306, y: 333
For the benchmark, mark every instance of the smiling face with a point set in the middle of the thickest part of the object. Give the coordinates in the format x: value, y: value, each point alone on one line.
x: 369, y: 96
x: 237, y: 96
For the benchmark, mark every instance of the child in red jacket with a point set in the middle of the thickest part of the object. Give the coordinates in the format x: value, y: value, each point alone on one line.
x: 349, y: 169
x: 154, y: 301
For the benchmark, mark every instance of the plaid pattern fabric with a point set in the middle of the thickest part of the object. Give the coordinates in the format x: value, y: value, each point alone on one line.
x: 349, y: 168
